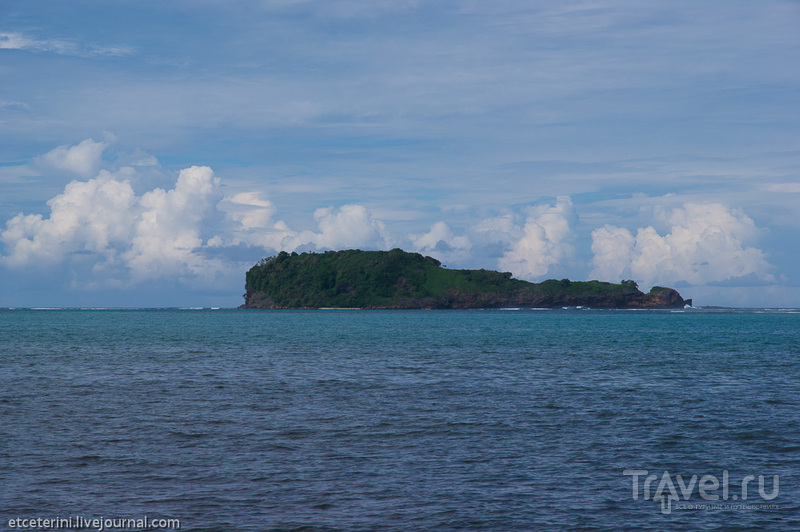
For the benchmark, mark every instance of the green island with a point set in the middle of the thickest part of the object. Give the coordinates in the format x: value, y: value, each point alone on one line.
x: 400, y: 280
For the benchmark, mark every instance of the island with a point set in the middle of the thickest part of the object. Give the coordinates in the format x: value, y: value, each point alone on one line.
x: 398, y: 279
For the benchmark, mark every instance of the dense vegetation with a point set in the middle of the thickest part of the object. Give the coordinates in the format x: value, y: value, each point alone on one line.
x: 397, y: 279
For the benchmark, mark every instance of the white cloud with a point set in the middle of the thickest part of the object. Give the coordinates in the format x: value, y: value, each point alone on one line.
x: 155, y: 235
x: 440, y: 239
x: 253, y: 224
x: 14, y: 105
x: 706, y: 243
x: 543, y: 242
x: 141, y: 158
x: 613, y: 251
x: 91, y: 216
x: 18, y: 41
x: 441, y: 243
x: 172, y: 225
x: 785, y: 188
x: 251, y: 211
x: 499, y: 227
x: 352, y: 226
x: 82, y: 159
x: 104, y: 233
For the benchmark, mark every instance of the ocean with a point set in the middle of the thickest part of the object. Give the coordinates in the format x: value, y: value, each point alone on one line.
x: 234, y: 420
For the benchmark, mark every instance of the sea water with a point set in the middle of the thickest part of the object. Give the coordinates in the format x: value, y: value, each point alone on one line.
x: 231, y: 420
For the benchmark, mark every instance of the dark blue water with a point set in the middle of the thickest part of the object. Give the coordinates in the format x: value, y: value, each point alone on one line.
x: 410, y: 420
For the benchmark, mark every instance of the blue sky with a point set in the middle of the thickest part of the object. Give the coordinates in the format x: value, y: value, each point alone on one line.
x: 151, y: 152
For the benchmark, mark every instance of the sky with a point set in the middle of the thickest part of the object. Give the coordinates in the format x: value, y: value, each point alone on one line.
x: 152, y: 152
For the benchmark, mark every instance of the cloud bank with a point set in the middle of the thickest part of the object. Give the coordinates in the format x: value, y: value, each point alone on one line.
x: 443, y: 243
x: 106, y: 234
x: 706, y: 243
x: 543, y: 242
x: 350, y: 226
x: 123, y: 236
x: 82, y: 159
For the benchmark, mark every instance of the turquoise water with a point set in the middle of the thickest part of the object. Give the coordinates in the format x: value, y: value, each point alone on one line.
x: 401, y: 420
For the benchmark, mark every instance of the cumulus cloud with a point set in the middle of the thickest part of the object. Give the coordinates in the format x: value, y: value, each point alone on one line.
x: 252, y: 224
x: 250, y: 210
x: 440, y: 238
x: 543, y: 242
x: 171, y: 225
x: 92, y: 216
x: 613, y: 252
x: 351, y: 226
x: 498, y: 228
x: 706, y: 243
x: 155, y: 235
x: 82, y: 159
x: 104, y: 233
x: 141, y: 158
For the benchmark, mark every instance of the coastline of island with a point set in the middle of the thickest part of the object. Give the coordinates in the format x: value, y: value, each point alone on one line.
x: 397, y: 279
